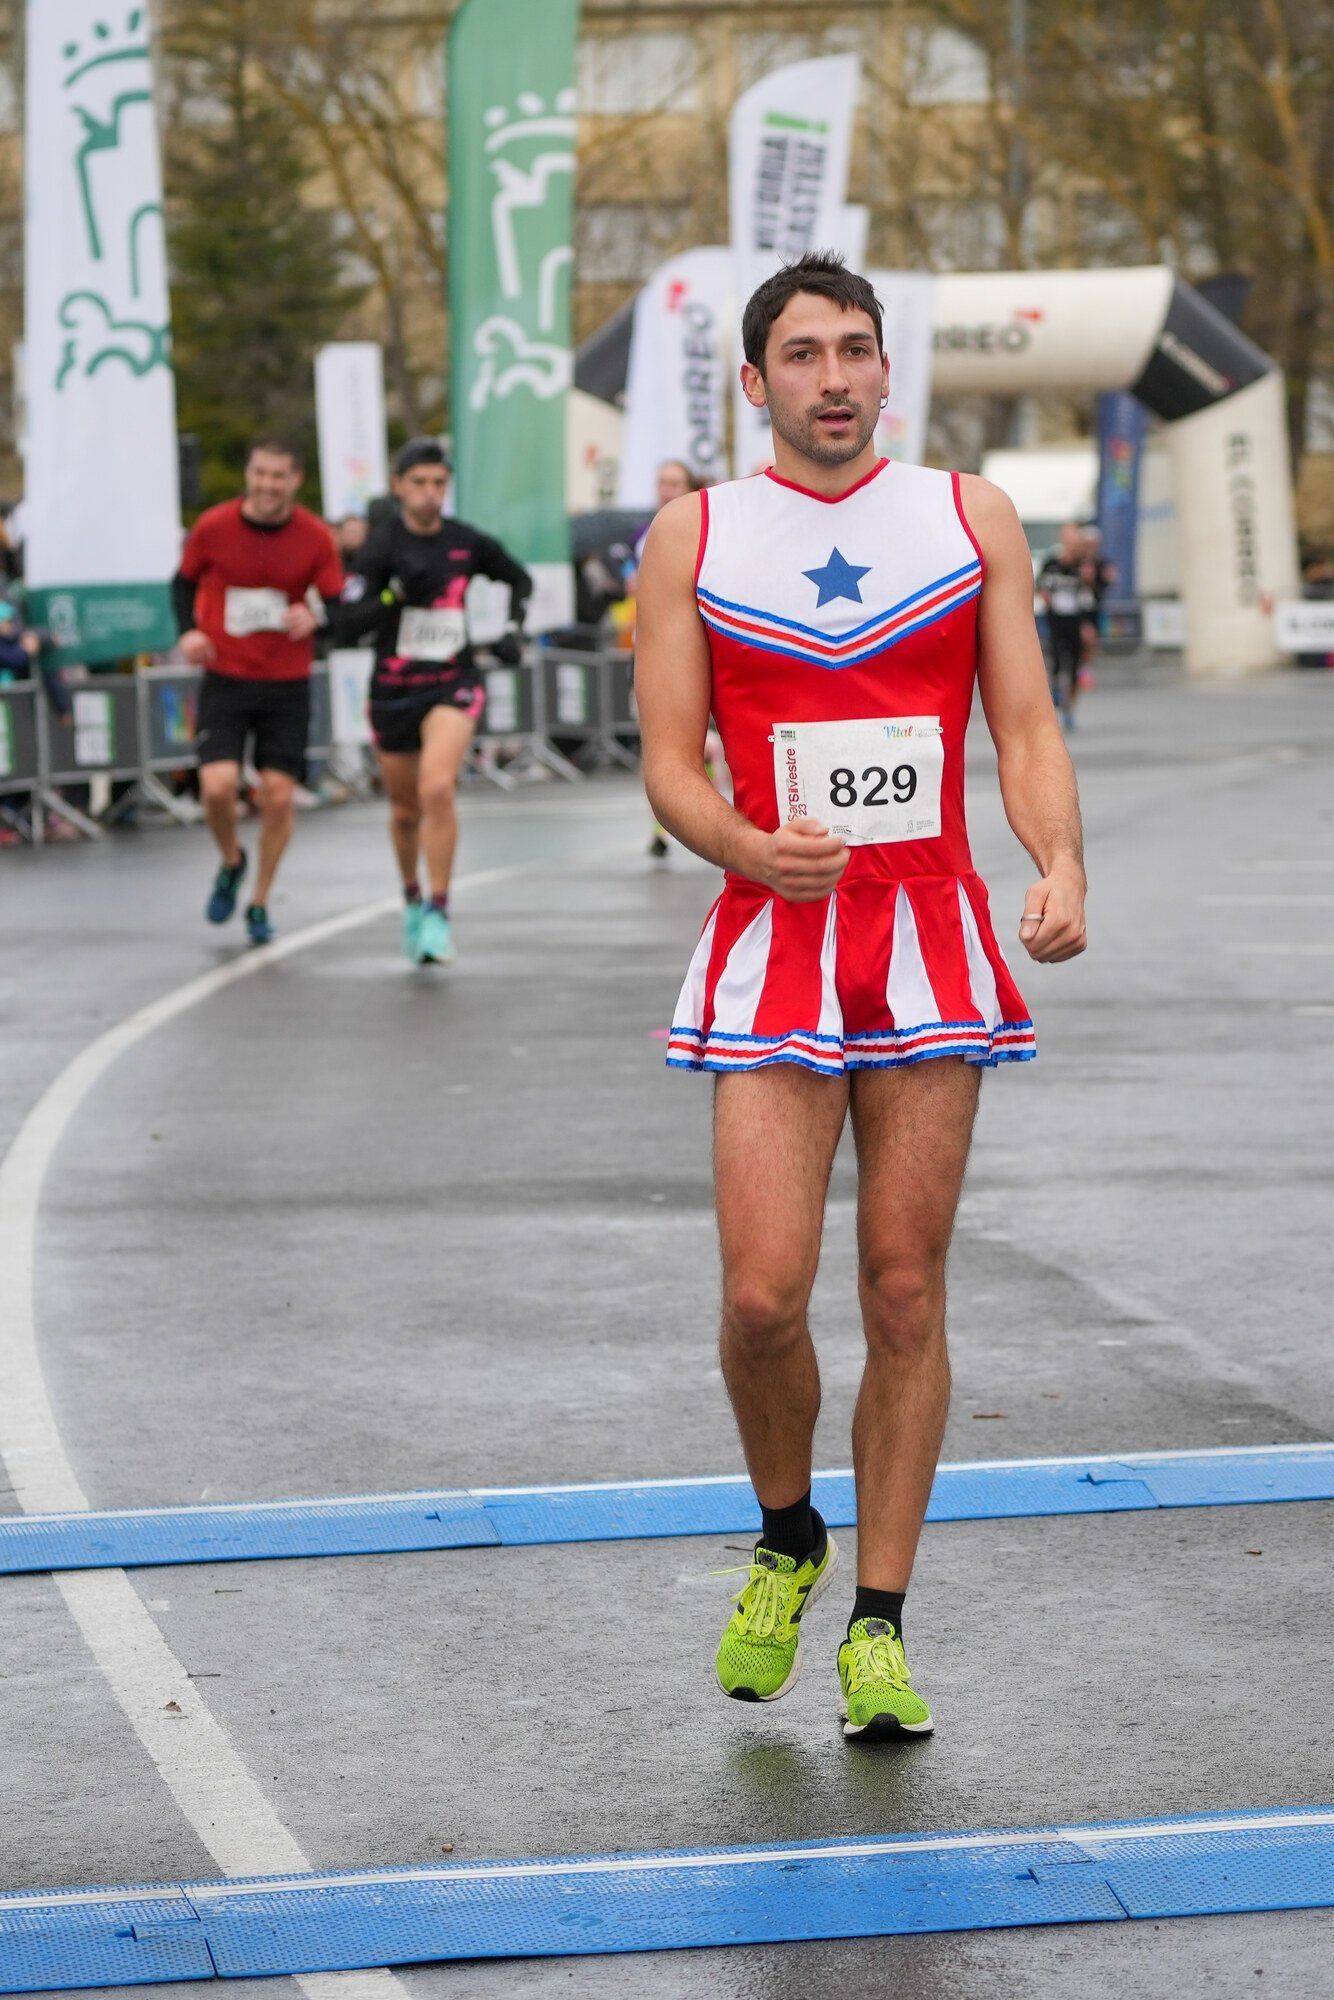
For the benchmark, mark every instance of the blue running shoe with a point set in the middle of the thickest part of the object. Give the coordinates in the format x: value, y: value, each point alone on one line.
x: 435, y: 940
x: 412, y: 931
x: 258, y: 928
x: 226, y: 882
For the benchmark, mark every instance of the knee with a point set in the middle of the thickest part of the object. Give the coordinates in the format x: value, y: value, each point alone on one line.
x: 217, y: 784
x: 903, y: 1302
x: 275, y: 799
x: 763, y: 1315
x: 437, y: 797
x: 404, y: 815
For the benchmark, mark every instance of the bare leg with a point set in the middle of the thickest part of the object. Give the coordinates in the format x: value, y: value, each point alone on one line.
x: 913, y: 1127
x: 398, y: 772
x: 217, y: 795
x: 775, y: 1133
x: 446, y: 734
x: 277, y: 817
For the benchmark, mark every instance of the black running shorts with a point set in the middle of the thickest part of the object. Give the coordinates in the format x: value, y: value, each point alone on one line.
x: 275, y: 714
x: 396, y: 723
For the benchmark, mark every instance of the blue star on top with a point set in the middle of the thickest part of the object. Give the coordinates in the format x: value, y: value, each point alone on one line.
x: 838, y: 578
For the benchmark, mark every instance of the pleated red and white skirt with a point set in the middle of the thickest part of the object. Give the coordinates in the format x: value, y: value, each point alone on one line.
x: 880, y: 974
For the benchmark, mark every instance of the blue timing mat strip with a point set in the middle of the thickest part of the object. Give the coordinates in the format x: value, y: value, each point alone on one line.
x: 577, y: 1906
x: 384, y: 1523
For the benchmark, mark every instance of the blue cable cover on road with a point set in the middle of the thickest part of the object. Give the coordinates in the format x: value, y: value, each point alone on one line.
x: 576, y: 1906
x: 387, y: 1523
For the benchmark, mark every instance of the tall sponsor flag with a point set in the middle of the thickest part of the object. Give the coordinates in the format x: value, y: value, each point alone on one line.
x: 349, y: 416
x: 675, y: 392
x: 790, y: 143
x: 907, y: 304
x: 510, y: 78
x: 1123, y: 423
x: 101, y: 481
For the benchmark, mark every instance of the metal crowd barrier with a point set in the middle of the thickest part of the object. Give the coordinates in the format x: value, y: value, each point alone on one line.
x: 560, y: 713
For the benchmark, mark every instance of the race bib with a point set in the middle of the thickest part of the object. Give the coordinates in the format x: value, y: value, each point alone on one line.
x: 868, y: 782
x: 245, y: 612
x: 431, y: 635
x: 1067, y: 599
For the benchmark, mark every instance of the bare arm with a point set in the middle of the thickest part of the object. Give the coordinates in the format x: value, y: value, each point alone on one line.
x: 1037, y: 778
x: 672, y: 685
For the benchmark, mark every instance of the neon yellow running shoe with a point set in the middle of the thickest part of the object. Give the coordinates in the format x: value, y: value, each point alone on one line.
x: 760, y: 1654
x: 878, y: 1701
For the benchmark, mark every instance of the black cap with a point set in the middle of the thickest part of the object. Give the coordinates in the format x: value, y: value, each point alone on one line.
x: 420, y: 451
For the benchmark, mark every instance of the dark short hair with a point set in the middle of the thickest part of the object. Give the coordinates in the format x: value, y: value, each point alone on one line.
x: 279, y: 447
x: 821, y: 272
x: 419, y: 451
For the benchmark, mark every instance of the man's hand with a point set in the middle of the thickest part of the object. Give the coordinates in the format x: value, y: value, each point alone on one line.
x: 197, y: 648
x: 1052, y: 926
x: 300, y: 621
x: 801, y: 862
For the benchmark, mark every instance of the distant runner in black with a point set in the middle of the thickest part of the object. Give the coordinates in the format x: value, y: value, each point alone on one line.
x: 426, y: 693
x: 1068, y: 596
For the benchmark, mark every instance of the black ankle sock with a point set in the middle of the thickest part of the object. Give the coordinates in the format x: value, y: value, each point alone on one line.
x: 886, y: 1604
x: 440, y: 903
x: 412, y: 892
x: 792, y: 1531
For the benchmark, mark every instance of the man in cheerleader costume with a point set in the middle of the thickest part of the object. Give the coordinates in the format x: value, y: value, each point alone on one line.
x: 834, y: 614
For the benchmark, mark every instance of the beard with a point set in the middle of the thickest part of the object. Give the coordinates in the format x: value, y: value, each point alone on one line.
x: 802, y: 432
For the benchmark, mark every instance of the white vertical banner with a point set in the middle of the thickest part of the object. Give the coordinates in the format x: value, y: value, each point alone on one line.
x: 851, y: 231
x: 349, y: 418
x: 101, y: 483
x: 790, y: 144
x: 1235, y: 527
x: 675, y: 394
x: 907, y: 303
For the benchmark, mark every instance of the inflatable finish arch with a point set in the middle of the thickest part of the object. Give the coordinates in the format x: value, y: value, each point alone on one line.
x: 1030, y: 332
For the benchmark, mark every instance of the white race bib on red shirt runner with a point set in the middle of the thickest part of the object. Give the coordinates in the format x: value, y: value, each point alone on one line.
x: 431, y: 634
x: 869, y: 782
x: 245, y: 612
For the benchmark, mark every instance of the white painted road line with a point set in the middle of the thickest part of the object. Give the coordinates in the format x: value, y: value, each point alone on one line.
x: 193, y: 1754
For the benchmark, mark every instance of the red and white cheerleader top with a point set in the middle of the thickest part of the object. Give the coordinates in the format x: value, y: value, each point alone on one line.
x: 843, y: 641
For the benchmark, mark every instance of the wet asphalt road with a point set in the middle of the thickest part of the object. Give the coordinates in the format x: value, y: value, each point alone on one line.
x: 346, y: 1227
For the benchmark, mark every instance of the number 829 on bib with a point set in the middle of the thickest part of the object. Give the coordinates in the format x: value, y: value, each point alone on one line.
x: 870, y: 782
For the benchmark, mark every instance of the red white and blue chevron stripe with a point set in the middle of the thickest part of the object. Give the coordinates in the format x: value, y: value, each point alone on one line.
x: 790, y: 639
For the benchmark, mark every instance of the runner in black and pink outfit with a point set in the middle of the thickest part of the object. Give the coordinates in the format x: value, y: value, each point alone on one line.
x: 427, y: 695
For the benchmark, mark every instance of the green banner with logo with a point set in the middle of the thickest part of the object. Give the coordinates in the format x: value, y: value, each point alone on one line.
x: 511, y: 117
x: 100, y: 479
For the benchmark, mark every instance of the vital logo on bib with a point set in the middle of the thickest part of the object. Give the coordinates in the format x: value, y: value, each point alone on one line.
x: 870, y: 782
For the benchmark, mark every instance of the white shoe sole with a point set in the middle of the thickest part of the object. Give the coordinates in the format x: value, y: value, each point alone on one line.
x: 816, y: 1590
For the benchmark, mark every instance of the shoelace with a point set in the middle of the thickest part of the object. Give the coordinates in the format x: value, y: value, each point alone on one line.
x: 878, y: 1658
x: 761, y: 1601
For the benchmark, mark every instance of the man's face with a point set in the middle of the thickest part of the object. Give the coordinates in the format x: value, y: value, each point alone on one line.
x: 1071, y: 543
x: 272, y: 482
x: 352, y: 533
x: 420, y: 492
x: 824, y: 378
x: 673, y: 481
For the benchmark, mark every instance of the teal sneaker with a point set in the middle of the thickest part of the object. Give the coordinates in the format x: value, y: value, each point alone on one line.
x: 879, y: 1702
x: 435, y: 939
x: 258, y: 928
x: 412, y: 931
x: 222, y: 896
x: 759, y: 1657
